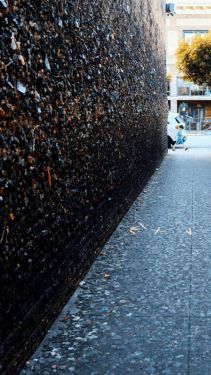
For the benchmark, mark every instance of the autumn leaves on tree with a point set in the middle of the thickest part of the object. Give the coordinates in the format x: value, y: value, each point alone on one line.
x: 194, y: 59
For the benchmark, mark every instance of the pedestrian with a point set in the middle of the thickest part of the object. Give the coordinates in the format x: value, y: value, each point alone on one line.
x: 181, y: 138
x: 172, y: 135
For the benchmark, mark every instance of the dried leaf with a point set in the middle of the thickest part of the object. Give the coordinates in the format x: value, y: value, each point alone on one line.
x: 142, y: 225
x: 158, y: 231
x: 133, y: 230
x: 189, y: 232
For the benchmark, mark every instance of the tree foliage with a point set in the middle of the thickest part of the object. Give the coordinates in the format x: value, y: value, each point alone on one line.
x: 194, y: 59
x: 169, y: 76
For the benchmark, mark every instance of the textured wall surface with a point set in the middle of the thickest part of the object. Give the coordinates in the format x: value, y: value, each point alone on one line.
x: 82, y: 126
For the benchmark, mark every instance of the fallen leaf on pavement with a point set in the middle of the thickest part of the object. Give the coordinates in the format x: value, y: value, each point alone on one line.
x: 142, y: 225
x: 66, y: 318
x: 133, y: 230
x: 158, y: 231
x: 189, y: 232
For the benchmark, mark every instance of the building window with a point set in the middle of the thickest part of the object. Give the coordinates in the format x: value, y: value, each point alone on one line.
x: 189, y: 34
x: 168, y: 88
x: 191, y: 89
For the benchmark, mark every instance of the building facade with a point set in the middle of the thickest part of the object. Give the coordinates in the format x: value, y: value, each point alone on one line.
x: 192, y: 101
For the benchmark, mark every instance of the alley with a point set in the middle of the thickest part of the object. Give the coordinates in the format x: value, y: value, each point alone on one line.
x: 145, y: 306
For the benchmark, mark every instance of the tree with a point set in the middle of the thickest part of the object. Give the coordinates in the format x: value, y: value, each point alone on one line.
x: 169, y: 77
x: 194, y: 59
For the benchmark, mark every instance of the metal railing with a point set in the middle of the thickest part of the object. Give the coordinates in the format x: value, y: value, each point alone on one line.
x: 198, y: 123
x: 193, y: 91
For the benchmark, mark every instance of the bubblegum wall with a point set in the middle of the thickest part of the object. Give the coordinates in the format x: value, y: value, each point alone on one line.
x: 82, y: 127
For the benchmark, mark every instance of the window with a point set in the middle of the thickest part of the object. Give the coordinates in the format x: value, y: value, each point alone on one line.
x: 191, y: 89
x: 189, y: 34
x: 168, y: 87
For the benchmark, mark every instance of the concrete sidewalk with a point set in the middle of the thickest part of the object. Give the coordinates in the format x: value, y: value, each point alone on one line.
x: 199, y: 140
x: 145, y: 306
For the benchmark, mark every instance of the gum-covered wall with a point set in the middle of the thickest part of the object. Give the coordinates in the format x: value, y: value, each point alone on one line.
x: 82, y: 127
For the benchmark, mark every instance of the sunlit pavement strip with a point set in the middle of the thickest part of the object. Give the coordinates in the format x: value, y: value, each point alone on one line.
x: 145, y: 306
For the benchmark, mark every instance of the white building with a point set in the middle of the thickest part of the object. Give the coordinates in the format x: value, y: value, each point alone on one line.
x: 192, y: 16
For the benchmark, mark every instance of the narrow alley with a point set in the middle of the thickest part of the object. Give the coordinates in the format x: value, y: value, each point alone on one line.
x: 145, y: 306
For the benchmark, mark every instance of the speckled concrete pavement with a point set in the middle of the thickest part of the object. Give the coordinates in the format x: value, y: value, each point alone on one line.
x: 145, y: 306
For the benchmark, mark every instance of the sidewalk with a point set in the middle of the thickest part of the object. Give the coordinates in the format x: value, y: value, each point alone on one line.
x: 145, y: 306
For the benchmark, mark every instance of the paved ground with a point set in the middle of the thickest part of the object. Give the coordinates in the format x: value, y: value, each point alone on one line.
x: 200, y: 139
x: 145, y: 306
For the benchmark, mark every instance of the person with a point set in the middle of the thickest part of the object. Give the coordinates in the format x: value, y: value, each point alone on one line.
x: 172, y: 130
x: 174, y: 133
x: 181, y: 138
